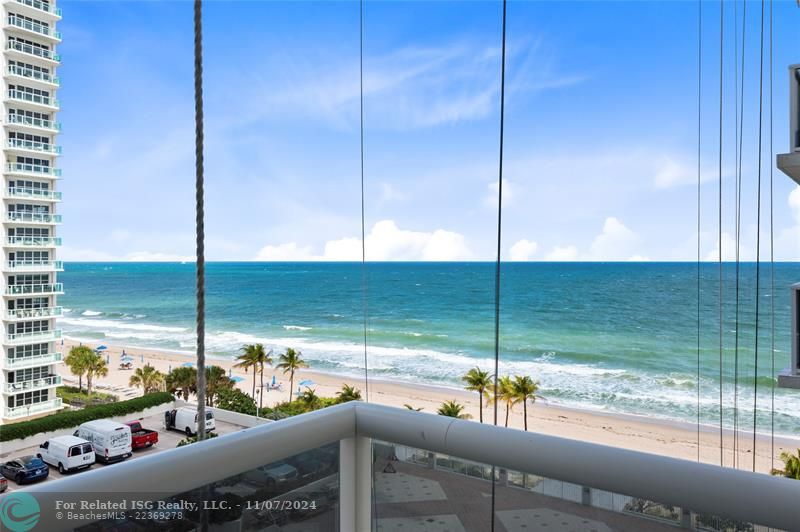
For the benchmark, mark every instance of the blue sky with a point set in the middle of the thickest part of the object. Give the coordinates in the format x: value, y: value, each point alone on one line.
x: 600, y: 131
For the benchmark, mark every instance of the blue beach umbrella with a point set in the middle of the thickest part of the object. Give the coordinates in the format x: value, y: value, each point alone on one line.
x: 307, y: 382
x: 273, y: 380
x: 188, y: 364
x: 127, y: 359
x: 101, y: 348
x: 237, y: 379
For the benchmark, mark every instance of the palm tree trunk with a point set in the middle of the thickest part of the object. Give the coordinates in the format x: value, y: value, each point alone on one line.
x: 525, y: 414
x: 480, y: 405
x: 507, y: 409
x: 80, y: 382
x: 261, y: 395
x: 291, y: 385
x: 89, y: 384
x: 254, y: 383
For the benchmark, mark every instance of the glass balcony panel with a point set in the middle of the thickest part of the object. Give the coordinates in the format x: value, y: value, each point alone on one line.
x: 33, y: 384
x: 35, y: 265
x: 37, y: 193
x: 36, y: 27
x: 29, y: 410
x: 298, y: 493
x: 34, y: 122
x: 33, y: 217
x: 30, y: 73
x: 35, y: 360
x: 33, y: 241
x: 31, y: 313
x: 42, y: 6
x: 43, y: 147
x: 21, y: 289
x: 33, y: 50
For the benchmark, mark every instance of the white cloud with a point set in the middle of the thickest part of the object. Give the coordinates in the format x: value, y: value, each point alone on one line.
x: 509, y: 193
x: 284, y: 252
x: 523, y: 250
x: 385, y: 242
x: 563, y: 254
x: 390, y: 193
x: 615, y: 242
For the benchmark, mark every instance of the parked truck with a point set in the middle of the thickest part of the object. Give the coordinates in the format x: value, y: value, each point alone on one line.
x: 140, y: 436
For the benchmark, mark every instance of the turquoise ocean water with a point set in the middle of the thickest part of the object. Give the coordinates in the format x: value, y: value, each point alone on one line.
x: 617, y: 337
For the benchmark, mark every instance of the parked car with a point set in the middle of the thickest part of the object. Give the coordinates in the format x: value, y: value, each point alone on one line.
x: 25, y: 469
x: 111, y: 440
x: 272, y: 474
x: 140, y: 436
x: 185, y: 420
x: 68, y: 453
x: 3, y: 484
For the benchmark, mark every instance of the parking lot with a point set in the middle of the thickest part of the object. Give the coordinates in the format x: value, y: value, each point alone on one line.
x: 166, y: 440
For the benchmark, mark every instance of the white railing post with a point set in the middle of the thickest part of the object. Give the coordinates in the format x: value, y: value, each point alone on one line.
x: 355, y: 484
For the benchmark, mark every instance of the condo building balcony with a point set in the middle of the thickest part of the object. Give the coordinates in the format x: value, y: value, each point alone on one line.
x: 33, y: 75
x: 32, y: 98
x: 31, y: 361
x: 361, y: 467
x: 29, y: 410
x: 36, y: 170
x: 33, y: 336
x: 16, y: 47
x: 33, y: 241
x: 42, y: 194
x: 40, y: 289
x: 34, y: 27
x: 36, y: 147
x: 37, y: 124
x: 36, y: 218
x: 36, y: 265
x: 31, y: 385
x: 37, y: 7
x: 33, y: 313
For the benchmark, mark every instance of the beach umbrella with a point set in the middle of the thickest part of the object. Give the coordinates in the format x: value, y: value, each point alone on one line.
x: 188, y: 364
x: 273, y: 380
x: 237, y: 379
x: 101, y: 348
x: 126, y: 358
x: 307, y: 382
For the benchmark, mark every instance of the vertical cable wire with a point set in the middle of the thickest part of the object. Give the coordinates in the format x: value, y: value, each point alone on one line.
x: 499, y: 237
x: 719, y: 223
x: 199, y: 221
x: 771, y: 251
x: 739, y: 150
x: 699, y: 143
x: 364, y: 299
x: 758, y: 232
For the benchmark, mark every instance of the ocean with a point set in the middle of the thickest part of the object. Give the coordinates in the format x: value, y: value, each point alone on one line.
x: 616, y: 337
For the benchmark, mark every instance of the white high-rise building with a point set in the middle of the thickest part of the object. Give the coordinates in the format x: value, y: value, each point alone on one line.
x: 29, y: 286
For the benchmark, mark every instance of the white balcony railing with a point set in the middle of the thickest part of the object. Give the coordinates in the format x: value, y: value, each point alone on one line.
x: 35, y: 360
x: 35, y: 408
x: 35, y: 265
x: 29, y: 73
x: 47, y: 7
x: 34, y: 193
x: 30, y: 145
x: 31, y: 97
x: 25, y: 289
x: 36, y: 169
x: 34, y: 336
x: 344, y: 457
x: 44, y: 53
x: 33, y: 241
x: 33, y: 313
x: 40, y: 123
x: 33, y: 218
x: 33, y: 384
x: 36, y: 27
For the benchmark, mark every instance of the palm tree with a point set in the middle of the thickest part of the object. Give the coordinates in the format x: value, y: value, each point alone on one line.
x: 478, y: 381
x: 216, y: 380
x: 505, y: 393
x: 310, y: 399
x: 453, y: 409
x: 77, y: 360
x: 261, y: 357
x: 246, y: 361
x: 791, y: 465
x: 183, y: 381
x: 348, y: 393
x: 148, y: 378
x: 524, y: 389
x: 291, y: 362
x: 95, y: 367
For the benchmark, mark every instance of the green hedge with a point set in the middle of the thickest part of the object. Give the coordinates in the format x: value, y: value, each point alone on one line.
x: 72, y: 418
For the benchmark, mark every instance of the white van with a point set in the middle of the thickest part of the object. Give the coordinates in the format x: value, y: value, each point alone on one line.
x: 68, y: 453
x: 111, y: 440
x: 185, y: 420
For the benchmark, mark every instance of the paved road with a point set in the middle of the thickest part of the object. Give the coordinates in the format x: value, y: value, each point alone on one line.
x: 166, y: 440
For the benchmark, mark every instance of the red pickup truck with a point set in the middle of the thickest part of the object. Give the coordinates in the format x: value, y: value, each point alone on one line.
x: 140, y: 436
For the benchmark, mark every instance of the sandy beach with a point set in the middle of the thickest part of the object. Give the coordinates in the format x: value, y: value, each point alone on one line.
x: 626, y: 431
